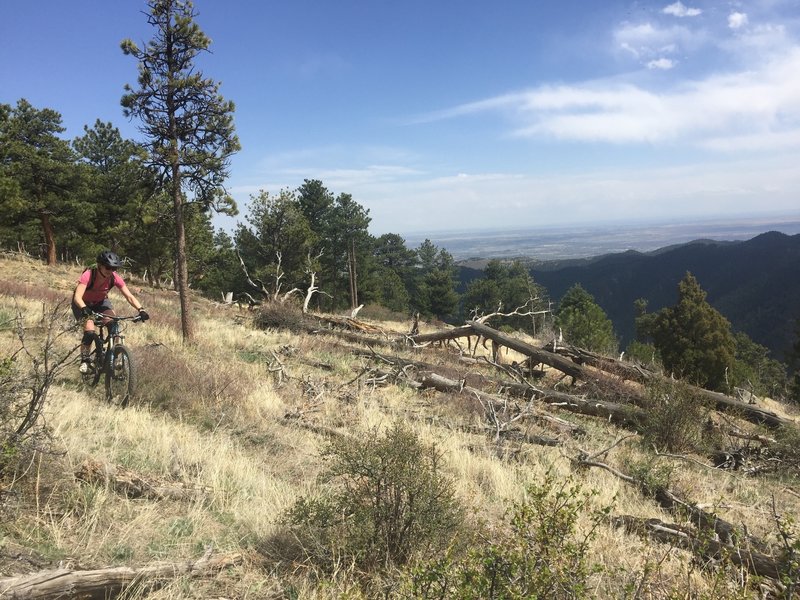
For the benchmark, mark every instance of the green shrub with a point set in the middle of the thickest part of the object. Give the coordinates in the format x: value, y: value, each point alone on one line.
x: 386, y: 499
x: 539, y: 553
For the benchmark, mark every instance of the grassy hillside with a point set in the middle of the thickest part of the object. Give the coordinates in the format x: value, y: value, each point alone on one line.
x: 228, y: 434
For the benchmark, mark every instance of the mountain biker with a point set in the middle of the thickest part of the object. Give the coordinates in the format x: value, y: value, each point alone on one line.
x: 91, y: 295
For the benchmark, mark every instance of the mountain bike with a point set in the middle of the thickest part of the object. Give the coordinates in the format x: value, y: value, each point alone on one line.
x: 113, y: 359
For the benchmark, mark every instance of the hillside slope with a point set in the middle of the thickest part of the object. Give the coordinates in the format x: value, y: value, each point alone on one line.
x: 228, y: 433
x: 755, y: 284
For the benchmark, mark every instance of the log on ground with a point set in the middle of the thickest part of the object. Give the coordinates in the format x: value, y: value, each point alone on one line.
x: 102, y: 584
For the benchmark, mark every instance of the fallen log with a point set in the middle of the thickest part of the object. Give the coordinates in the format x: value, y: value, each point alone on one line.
x: 720, y: 401
x: 703, y: 520
x: 442, y: 384
x: 755, y: 562
x: 102, y: 584
x: 439, y: 336
x: 349, y: 336
x: 571, y: 403
x: 751, y: 413
x: 564, y: 365
x: 622, y: 369
x: 624, y: 415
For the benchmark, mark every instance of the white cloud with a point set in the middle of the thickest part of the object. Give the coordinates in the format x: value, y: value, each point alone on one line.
x: 738, y: 104
x: 679, y: 10
x: 737, y: 20
x: 664, y: 64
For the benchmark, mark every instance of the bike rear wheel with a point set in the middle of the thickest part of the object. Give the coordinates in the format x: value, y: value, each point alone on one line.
x: 120, y: 377
x: 92, y: 376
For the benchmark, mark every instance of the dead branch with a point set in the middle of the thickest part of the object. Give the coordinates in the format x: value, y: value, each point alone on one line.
x: 516, y: 312
x: 256, y: 283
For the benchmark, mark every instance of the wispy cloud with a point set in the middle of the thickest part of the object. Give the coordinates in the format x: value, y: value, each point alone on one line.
x: 743, y: 103
x: 647, y: 41
x: 678, y: 9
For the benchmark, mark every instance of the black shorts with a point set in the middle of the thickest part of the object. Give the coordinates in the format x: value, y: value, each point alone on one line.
x: 99, y: 307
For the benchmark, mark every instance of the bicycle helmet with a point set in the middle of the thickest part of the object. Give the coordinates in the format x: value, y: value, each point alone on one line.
x: 109, y: 259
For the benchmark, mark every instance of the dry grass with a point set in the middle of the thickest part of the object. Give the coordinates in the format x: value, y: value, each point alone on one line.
x: 240, y: 417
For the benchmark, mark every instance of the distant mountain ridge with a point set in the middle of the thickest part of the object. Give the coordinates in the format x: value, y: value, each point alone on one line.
x: 755, y: 283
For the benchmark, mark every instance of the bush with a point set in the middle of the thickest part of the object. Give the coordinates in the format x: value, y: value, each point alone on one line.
x: 645, y: 354
x: 539, y: 554
x: 386, y: 501
x: 25, y: 380
x: 274, y: 315
x: 676, y: 417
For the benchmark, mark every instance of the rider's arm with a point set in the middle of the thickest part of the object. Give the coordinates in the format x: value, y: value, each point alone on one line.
x: 77, y: 297
x: 130, y: 297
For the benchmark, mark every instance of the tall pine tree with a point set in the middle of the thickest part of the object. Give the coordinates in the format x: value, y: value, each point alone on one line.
x: 187, y: 123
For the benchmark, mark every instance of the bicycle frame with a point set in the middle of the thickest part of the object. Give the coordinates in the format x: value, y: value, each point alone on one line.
x: 112, y: 359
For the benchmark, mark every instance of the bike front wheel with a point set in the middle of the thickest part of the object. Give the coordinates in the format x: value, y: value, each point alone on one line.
x: 120, y: 377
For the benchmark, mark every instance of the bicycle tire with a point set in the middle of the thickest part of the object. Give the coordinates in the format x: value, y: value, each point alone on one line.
x: 120, y: 377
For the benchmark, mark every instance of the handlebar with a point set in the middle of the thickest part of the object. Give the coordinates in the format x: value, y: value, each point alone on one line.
x: 96, y: 316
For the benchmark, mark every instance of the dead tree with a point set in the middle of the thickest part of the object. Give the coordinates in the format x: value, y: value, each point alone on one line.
x: 259, y: 285
x: 312, y: 287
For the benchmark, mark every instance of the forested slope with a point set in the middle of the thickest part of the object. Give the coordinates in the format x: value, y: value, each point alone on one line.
x: 755, y: 284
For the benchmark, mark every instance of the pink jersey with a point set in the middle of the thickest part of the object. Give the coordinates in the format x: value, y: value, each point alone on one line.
x: 99, y: 291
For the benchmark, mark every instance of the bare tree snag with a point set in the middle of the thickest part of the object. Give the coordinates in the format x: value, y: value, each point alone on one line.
x: 103, y: 584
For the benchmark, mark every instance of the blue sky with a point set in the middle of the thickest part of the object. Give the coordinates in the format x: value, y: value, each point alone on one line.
x: 441, y: 115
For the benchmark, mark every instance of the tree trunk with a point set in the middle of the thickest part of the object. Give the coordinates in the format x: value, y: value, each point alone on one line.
x: 351, y: 267
x: 438, y: 336
x: 49, y: 237
x: 180, y: 255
